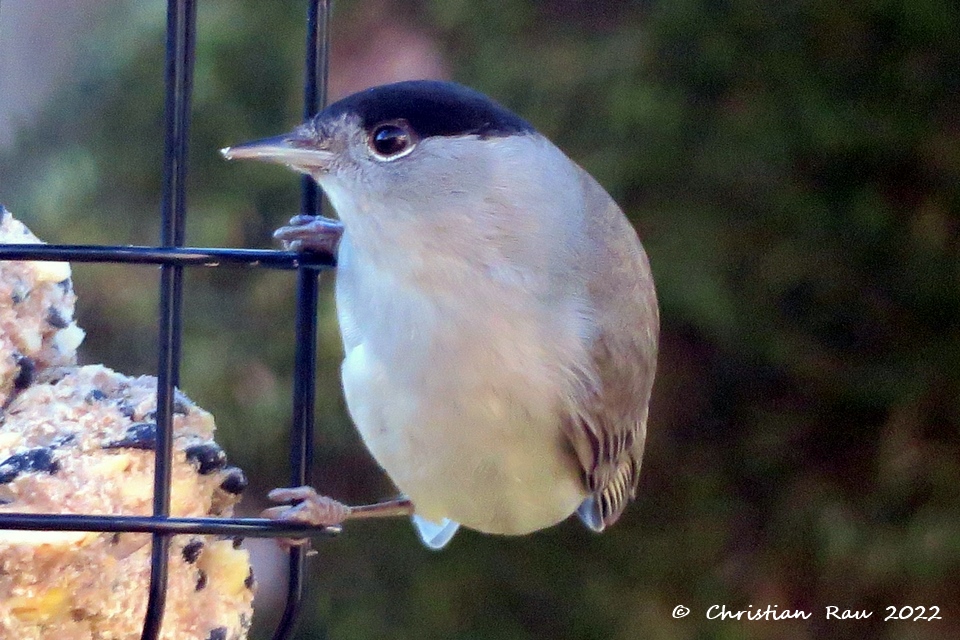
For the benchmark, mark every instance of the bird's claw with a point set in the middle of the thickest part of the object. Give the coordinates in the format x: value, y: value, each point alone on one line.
x: 312, y: 509
x: 310, y: 233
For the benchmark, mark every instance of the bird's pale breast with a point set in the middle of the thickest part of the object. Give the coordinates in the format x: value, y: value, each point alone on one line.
x: 460, y: 409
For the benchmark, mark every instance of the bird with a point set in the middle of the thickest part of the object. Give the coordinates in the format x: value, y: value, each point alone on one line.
x: 497, y: 310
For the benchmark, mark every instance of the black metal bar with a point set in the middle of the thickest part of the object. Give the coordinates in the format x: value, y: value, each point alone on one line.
x: 180, y: 256
x: 172, y: 257
x: 316, y: 71
x: 316, y: 65
x: 180, y: 46
x: 248, y: 527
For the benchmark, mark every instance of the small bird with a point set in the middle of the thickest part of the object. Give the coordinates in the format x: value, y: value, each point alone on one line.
x: 497, y: 310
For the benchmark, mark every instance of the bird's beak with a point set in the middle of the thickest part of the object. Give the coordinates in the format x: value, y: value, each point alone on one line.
x: 290, y: 149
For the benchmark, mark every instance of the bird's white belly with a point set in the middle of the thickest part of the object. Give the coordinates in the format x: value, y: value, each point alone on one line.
x: 461, y: 450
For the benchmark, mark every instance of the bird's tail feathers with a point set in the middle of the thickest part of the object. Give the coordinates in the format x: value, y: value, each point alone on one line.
x: 590, y: 515
x: 435, y: 535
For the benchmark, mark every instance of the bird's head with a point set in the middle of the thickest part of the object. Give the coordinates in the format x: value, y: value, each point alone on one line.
x: 398, y: 142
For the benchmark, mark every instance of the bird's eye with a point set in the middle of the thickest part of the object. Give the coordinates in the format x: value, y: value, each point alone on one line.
x: 392, y: 140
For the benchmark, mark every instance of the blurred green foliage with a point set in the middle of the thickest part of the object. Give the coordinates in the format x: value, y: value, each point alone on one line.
x: 794, y: 171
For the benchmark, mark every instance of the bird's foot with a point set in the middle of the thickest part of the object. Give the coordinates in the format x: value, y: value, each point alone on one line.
x: 323, y: 511
x: 313, y: 509
x: 310, y: 233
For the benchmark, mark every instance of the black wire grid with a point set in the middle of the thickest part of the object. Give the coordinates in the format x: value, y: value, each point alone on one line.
x: 172, y: 256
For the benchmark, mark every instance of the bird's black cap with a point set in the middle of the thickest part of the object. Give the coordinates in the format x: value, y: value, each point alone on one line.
x: 432, y: 107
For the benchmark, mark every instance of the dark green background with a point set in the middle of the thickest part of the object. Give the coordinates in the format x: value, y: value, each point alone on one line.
x: 793, y: 169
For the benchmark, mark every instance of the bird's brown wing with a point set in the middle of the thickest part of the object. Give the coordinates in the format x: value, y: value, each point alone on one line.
x: 607, y: 424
